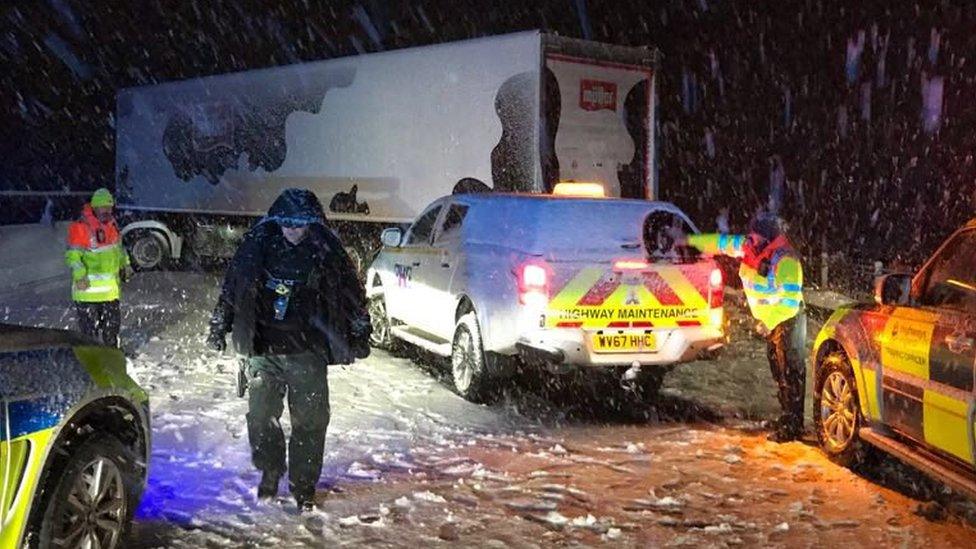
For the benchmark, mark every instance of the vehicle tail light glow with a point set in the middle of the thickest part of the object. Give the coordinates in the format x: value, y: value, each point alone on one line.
x: 716, y: 289
x: 630, y: 265
x: 715, y: 279
x: 533, y: 276
x: 533, y: 279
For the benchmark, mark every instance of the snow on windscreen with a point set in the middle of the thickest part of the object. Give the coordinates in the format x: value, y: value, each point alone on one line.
x: 539, y: 225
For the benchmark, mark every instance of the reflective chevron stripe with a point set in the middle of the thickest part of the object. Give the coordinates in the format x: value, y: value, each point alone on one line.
x: 652, y: 296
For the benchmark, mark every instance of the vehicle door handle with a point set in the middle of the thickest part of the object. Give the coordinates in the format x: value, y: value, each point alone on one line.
x: 446, y: 265
x: 416, y: 263
x: 961, y: 343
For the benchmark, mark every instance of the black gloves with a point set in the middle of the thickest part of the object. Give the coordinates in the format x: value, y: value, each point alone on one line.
x: 360, y: 328
x: 216, y: 341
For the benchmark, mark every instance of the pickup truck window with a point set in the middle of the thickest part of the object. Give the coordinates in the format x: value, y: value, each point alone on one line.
x: 660, y: 231
x: 452, y: 222
x: 951, y: 278
x: 422, y: 228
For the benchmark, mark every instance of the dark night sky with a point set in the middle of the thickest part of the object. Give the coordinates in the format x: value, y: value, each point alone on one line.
x: 64, y: 59
x: 744, y: 84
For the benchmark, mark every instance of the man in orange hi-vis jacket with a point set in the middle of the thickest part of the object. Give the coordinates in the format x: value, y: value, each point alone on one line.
x: 98, y: 261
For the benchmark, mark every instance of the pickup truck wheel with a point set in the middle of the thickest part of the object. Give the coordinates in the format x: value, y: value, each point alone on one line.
x: 468, y: 368
x: 837, y: 410
x: 381, y: 338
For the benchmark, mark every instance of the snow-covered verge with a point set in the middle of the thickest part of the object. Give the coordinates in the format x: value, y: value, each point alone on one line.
x: 31, y: 254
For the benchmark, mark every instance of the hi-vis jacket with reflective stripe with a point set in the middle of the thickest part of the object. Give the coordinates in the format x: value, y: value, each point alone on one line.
x: 95, y: 253
x: 772, y: 279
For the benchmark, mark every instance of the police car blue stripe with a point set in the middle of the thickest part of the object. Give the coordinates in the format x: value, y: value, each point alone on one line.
x: 790, y: 302
x: 792, y: 287
x: 32, y: 415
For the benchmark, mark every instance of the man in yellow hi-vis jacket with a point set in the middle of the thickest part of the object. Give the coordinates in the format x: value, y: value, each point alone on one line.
x: 97, y: 261
x: 772, y: 280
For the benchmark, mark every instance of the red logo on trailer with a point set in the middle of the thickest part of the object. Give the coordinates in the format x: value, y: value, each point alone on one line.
x: 596, y: 95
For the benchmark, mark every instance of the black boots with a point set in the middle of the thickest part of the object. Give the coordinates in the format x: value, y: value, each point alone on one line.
x: 268, y: 488
x: 786, y: 429
x: 306, y: 502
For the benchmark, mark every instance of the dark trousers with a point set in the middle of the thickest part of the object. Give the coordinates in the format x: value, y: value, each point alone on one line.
x: 100, y: 321
x: 786, y: 350
x: 303, y: 378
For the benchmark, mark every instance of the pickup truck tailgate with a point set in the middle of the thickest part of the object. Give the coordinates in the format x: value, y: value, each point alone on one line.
x: 633, y: 294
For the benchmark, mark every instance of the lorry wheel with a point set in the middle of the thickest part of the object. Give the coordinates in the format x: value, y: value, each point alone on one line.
x: 147, y: 249
x: 837, y: 410
x: 468, y: 365
x: 93, y: 497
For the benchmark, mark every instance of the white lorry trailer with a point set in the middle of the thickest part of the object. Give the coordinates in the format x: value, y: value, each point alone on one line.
x: 377, y: 137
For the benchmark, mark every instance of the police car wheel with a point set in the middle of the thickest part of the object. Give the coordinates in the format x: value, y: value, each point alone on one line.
x: 837, y: 415
x: 468, y: 368
x: 95, y: 493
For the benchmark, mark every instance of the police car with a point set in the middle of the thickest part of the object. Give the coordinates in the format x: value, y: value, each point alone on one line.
x: 74, y: 441
x: 552, y: 282
x: 898, y: 374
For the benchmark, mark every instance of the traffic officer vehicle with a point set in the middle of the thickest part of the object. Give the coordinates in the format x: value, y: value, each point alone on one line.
x: 558, y: 283
x: 898, y: 373
x: 74, y: 441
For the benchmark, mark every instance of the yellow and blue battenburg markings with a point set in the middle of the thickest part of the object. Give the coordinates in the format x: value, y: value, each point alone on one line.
x: 37, y: 389
x: 909, y: 374
x: 22, y: 448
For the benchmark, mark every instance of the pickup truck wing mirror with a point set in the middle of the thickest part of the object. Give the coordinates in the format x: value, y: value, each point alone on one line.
x: 893, y: 289
x: 391, y: 237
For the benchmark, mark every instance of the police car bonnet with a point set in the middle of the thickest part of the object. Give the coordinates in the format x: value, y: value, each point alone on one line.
x: 296, y: 207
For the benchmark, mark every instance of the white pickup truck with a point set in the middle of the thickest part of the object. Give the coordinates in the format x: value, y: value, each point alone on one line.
x: 554, y: 282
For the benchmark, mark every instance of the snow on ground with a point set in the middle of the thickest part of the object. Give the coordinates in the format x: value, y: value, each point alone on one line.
x: 409, y: 463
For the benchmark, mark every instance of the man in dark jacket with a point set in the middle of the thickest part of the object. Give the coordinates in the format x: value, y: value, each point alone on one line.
x: 294, y: 304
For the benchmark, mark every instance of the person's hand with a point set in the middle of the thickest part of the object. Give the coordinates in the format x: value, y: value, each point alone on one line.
x: 82, y: 284
x: 677, y: 236
x: 217, y: 341
x: 127, y: 273
x: 361, y: 327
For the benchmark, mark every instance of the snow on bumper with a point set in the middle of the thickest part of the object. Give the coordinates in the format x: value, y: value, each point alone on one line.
x: 575, y: 347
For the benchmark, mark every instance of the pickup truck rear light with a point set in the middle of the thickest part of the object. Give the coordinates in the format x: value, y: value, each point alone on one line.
x: 716, y: 289
x: 533, y: 279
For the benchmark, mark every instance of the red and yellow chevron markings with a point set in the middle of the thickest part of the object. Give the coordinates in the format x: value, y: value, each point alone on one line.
x: 658, y: 296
